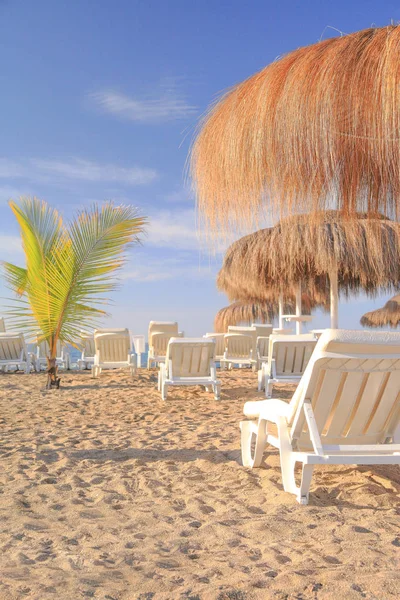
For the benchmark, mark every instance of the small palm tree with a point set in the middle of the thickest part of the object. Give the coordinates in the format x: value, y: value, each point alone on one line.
x: 69, y: 269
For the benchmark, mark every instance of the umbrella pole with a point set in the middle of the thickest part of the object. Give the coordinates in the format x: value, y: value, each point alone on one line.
x: 280, y: 308
x: 333, y: 279
x: 298, y: 309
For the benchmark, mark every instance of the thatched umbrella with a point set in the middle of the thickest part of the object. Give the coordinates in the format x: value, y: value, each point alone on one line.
x: 261, y: 312
x: 382, y: 317
x: 244, y: 312
x: 330, y: 253
x: 319, y: 128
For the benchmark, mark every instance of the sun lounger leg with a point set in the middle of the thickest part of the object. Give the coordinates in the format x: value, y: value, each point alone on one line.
x: 217, y: 391
x: 133, y: 363
x: 288, y: 465
x: 268, y: 388
x: 164, y: 390
x: 260, y: 379
x: 246, y: 443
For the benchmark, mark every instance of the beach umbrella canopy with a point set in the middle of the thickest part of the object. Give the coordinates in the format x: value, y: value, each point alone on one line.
x: 332, y: 254
x: 260, y: 312
x: 244, y: 312
x: 318, y: 128
x: 388, y: 315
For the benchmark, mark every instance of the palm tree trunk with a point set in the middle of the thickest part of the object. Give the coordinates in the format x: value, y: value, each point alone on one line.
x: 52, y: 370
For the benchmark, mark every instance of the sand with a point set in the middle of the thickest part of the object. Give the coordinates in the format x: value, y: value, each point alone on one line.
x: 109, y: 493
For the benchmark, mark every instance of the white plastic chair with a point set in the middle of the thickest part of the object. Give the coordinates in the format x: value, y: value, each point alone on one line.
x: 240, y: 350
x: 13, y: 352
x: 168, y: 327
x: 346, y: 410
x: 113, y: 351
x: 86, y: 360
x: 288, y: 357
x: 43, y: 351
x: 189, y: 361
x: 219, y: 347
x: 139, y: 346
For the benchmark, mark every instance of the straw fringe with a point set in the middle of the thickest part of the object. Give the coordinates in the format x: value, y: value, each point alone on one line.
x: 243, y: 313
x: 388, y: 315
x: 365, y: 252
x: 317, y: 129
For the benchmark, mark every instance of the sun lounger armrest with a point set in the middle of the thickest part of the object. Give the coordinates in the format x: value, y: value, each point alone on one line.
x: 268, y: 410
x: 274, y: 410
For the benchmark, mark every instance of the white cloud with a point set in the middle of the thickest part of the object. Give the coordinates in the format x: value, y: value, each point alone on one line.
x: 178, y: 196
x: 10, y: 248
x: 8, y: 192
x: 37, y: 169
x: 178, y: 229
x: 169, y: 105
x: 94, y: 172
x: 149, y: 270
x: 173, y: 229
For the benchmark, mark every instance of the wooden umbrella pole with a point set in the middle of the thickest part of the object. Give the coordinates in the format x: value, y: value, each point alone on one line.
x: 333, y: 278
x: 298, y: 309
x: 280, y: 305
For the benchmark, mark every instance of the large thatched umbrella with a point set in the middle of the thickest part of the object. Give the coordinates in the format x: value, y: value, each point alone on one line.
x: 330, y: 253
x: 319, y: 128
x: 244, y: 312
x: 382, y: 317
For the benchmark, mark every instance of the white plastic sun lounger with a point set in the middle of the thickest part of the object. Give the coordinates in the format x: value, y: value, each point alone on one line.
x: 288, y: 357
x: 263, y: 333
x: 240, y: 350
x: 189, y: 361
x: 2, y: 325
x: 158, y: 348
x: 169, y: 327
x: 113, y: 351
x: 86, y: 360
x: 43, y: 351
x: 13, y: 352
x: 345, y: 411
x: 139, y: 346
x: 262, y: 329
x: 219, y: 347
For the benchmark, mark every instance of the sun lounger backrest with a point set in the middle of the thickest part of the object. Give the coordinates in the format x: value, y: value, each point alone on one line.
x: 353, y: 384
x: 113, y: 345
x: 88, y: 346
x: 44, y: 349
x: 251, y: 331
x: 263, y: 346
x: 2, y: 325
x: 12, y: 346
x: 162, y: 327
x: 190, y: 357
x: 239, y: 345
x: 291, y: 353
x: 262, y: 330
x: 219, y: 342
x: 159, y: 342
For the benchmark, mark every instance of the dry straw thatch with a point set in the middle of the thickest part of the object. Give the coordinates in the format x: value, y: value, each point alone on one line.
x: 247, y: 313
x: 388, y: 315
x: 316, y: 129
x: 365, y: 254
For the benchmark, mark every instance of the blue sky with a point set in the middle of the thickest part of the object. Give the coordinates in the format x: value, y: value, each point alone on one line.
x: 100, y: 100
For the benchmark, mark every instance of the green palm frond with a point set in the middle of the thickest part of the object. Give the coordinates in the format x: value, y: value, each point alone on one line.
x: 69, y: 269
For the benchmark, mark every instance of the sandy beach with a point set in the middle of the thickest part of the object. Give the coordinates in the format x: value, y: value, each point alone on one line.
x: 109, y: 493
